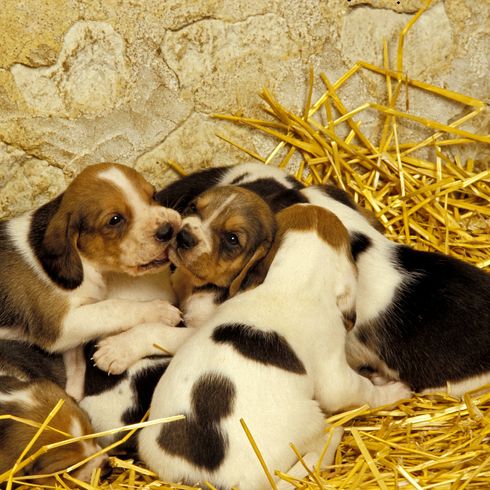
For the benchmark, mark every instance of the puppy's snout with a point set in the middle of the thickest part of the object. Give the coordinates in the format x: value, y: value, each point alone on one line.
x: 164, y: 233
x: 185, y: 239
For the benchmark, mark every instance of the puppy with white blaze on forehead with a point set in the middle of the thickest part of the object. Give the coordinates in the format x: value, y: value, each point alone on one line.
x: 422, y: 317
x: 274, y: 356
x: 62, y: 262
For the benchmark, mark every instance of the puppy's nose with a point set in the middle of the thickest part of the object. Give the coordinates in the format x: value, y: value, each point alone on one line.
x: 185, y: 239
x: 164, y: 233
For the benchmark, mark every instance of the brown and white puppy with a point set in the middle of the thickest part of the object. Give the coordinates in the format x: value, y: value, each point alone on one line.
x: 30, y: 387
x: 273, y: 356
x: 56, y: 260
x: 225, y: 232
x: 422, y: 318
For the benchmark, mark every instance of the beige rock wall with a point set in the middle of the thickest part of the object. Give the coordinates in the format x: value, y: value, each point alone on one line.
x: 136, y: 81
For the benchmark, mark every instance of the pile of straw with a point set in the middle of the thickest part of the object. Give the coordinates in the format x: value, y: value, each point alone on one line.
x: 441, y: 204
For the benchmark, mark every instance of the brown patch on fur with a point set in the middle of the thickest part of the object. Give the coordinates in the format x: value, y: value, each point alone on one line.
x: 314, y: 218
x: 14, y: 436
x: 248, y: 217
x: 27, y: 302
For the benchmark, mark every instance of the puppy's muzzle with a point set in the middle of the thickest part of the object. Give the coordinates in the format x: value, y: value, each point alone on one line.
x: 164, y: 233
x: 185, y: 239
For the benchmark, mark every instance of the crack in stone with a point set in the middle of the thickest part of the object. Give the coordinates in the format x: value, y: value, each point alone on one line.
x: 227, y: 22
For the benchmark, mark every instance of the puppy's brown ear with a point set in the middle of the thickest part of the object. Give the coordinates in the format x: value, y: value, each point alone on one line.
x: 258, y: 274
x: 58, y: 252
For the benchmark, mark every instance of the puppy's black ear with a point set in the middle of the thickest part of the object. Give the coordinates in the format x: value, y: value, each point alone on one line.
x: 180, y: 193
x: 54, y: 233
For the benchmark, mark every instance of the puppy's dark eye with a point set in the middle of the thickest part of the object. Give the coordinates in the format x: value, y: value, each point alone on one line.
x: 191, y: 208
x: 231, y: 239
x: 115, y: 220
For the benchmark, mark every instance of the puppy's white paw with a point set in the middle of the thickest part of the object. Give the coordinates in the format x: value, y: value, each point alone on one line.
x: 160, y: 311
x: 392, y: 392
x: 114, y: 355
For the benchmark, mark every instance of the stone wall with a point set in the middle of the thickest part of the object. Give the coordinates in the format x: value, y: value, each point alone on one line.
x: 135, y: 81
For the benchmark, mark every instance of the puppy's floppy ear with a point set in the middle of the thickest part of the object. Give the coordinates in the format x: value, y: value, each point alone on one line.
x: 259, y: 254
x: 58, y: 252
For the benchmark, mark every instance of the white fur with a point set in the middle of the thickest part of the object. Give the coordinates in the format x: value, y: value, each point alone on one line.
x: 297, y: 301
x: 22, y: 397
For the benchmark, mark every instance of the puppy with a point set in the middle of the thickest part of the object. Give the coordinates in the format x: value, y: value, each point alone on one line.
x: 30, y: 386
x: 122, y: 399
x: 422, y: 318
x: 272, y: 355
x: 225, y: 232
x: 56, y: 261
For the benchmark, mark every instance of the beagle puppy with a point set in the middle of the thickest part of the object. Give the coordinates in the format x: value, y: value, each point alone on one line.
x: 225, y: 232
x: 422, y: 317
x: 60, y: 262
x: 30, y: 386
x: 272, y: 355
x: 119, y: 399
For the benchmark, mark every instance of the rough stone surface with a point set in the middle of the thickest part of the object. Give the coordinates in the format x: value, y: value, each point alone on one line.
x: 83, y: 81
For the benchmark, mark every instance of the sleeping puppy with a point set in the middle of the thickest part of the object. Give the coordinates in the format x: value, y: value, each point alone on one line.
x: 56, y: 261
x: 272, y: 355
x: 423, y: 318
x: 225, y: 232
x: 30, y: 386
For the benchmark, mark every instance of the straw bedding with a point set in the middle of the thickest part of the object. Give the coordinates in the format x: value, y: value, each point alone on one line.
x: 435, y: 202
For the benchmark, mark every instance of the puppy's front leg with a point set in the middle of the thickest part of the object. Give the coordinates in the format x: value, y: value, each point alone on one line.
x: 342, y: 387
x: 87, y: 322
x: 75, y: 367
x: 117, y: 353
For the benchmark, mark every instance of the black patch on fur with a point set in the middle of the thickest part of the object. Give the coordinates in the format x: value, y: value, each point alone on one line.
x: 220, y: 293
x: 180, y: 193
x: 438, y: 328
x: 96, y: 380
x: 277, y: 195
x: 31, y: 361
x: 294, y: 182
x: 359, y: 243
x: 143, y: 385
x: 198, y: 438
x: 340, y: 196
x: 268, y: 348
x: 238, y: 179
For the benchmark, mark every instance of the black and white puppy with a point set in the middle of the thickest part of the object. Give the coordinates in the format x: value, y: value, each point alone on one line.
x: 422, y: 317
x: 273, y: 355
